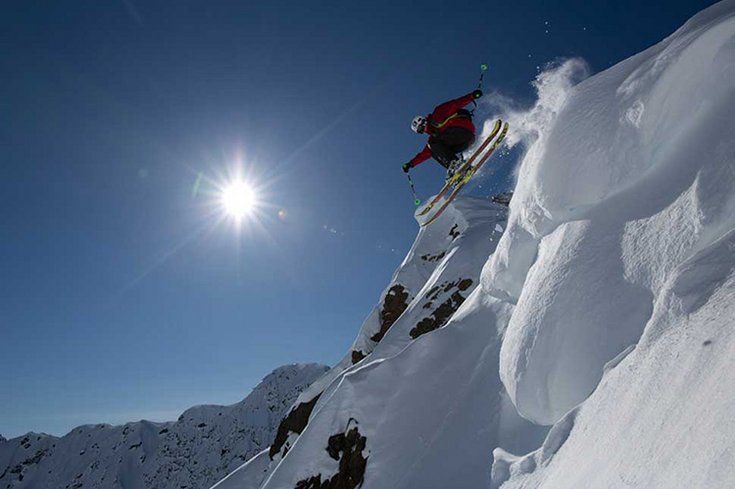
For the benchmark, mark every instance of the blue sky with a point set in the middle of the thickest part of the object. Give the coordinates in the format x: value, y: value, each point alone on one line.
x: 121, y: 295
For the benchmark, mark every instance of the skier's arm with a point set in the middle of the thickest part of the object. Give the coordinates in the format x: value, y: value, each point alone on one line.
x: 446, y: 109
x: 424, y: 155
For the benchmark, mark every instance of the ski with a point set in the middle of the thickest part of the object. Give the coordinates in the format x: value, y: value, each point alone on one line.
x: 470, y: 173
x: 461, y: 171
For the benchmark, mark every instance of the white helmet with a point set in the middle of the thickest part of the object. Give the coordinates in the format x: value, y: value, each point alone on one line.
x: 418, y: 124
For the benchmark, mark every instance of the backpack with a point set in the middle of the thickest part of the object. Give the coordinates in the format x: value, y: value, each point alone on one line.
x: 463, y: 113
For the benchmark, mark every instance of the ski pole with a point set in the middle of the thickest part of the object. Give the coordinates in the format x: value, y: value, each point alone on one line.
x: 483, y: 69
x: 416, y: 200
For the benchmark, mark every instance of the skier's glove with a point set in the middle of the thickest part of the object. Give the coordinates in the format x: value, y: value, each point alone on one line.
x: 406, y: 167
x: 477, y: 94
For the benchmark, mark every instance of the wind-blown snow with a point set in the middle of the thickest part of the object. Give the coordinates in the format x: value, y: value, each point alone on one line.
x: 634, y: 176
x: 604, y: 311
x: 624, y: 214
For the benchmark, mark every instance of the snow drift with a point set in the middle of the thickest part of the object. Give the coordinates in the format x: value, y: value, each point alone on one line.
x: 632, y: 179
x: 627, y: 208
x: 604, y: 310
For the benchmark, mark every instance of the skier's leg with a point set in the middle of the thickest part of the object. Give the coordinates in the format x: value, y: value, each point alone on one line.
x: 442, y: 152
x: 459, y: 139
x: 445, y: 147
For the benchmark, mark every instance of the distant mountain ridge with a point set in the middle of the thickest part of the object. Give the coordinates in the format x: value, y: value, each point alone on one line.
x: 202, y: 446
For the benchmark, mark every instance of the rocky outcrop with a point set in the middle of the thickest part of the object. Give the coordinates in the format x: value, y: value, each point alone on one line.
x: 455, y: 232
x: 346, y: 448
x: 441, y: 315
x: 395, y: 302
x: 294, y: 422
x: 357, y: 356
x: 436, y: 257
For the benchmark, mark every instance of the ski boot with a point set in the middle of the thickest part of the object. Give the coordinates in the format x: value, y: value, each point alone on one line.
x: 454, y: 167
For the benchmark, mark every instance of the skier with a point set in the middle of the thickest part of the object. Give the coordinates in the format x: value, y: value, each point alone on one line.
x: 450, y: 131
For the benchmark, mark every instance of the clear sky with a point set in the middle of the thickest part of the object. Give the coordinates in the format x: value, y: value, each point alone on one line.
x: 123, y: 295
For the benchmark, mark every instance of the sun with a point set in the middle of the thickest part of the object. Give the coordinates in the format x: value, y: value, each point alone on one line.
x: 238, y: 199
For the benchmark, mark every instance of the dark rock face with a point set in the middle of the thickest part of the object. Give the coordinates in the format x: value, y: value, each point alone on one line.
x: 18, y: 469
x: 446, y: 309
x: 295, y: 421
x: 347, y: 449
x: 312, y: 483
x: 357, y: 356
x: 436, y: 257
x: 454, y: 232
x: 395, y: 302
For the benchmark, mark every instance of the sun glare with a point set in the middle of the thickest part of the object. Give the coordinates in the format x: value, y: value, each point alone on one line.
x: 238, y: 199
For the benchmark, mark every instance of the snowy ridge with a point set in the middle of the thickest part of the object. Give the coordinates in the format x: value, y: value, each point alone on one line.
x: 598, y: 349
x: 205, y: 444
x: 440, y: 271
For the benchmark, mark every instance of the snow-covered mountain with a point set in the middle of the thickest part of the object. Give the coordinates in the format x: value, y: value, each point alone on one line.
x: 402, y: 373
x: 591, y: 346
x: 204, y: 445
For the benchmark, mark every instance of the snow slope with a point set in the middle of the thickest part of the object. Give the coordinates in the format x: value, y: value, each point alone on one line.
x: 205, y: 444
x: 627, y: 204
x: 399, y: 408
x: 604, y: 310
x: 437, y: 275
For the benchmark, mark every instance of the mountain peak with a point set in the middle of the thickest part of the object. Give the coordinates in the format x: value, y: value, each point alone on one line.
x: 205, y: 444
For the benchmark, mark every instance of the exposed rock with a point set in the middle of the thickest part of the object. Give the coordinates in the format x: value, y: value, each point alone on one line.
x: 395, y: 302
x: 446, y: 309
x: 464, y: 284
x: 294, y: 422
x: 357, y: 356
x: 36, y: 458
x: 436, y: 257
x: 433, y: 293
x: 454, y: 232
x: 312, y: 483
x: 347, y: 449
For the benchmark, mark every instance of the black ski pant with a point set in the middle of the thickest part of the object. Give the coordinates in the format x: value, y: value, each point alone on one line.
x: 446, y: 145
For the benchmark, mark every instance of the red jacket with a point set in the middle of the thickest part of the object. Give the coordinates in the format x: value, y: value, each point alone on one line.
x: 440, y: 120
